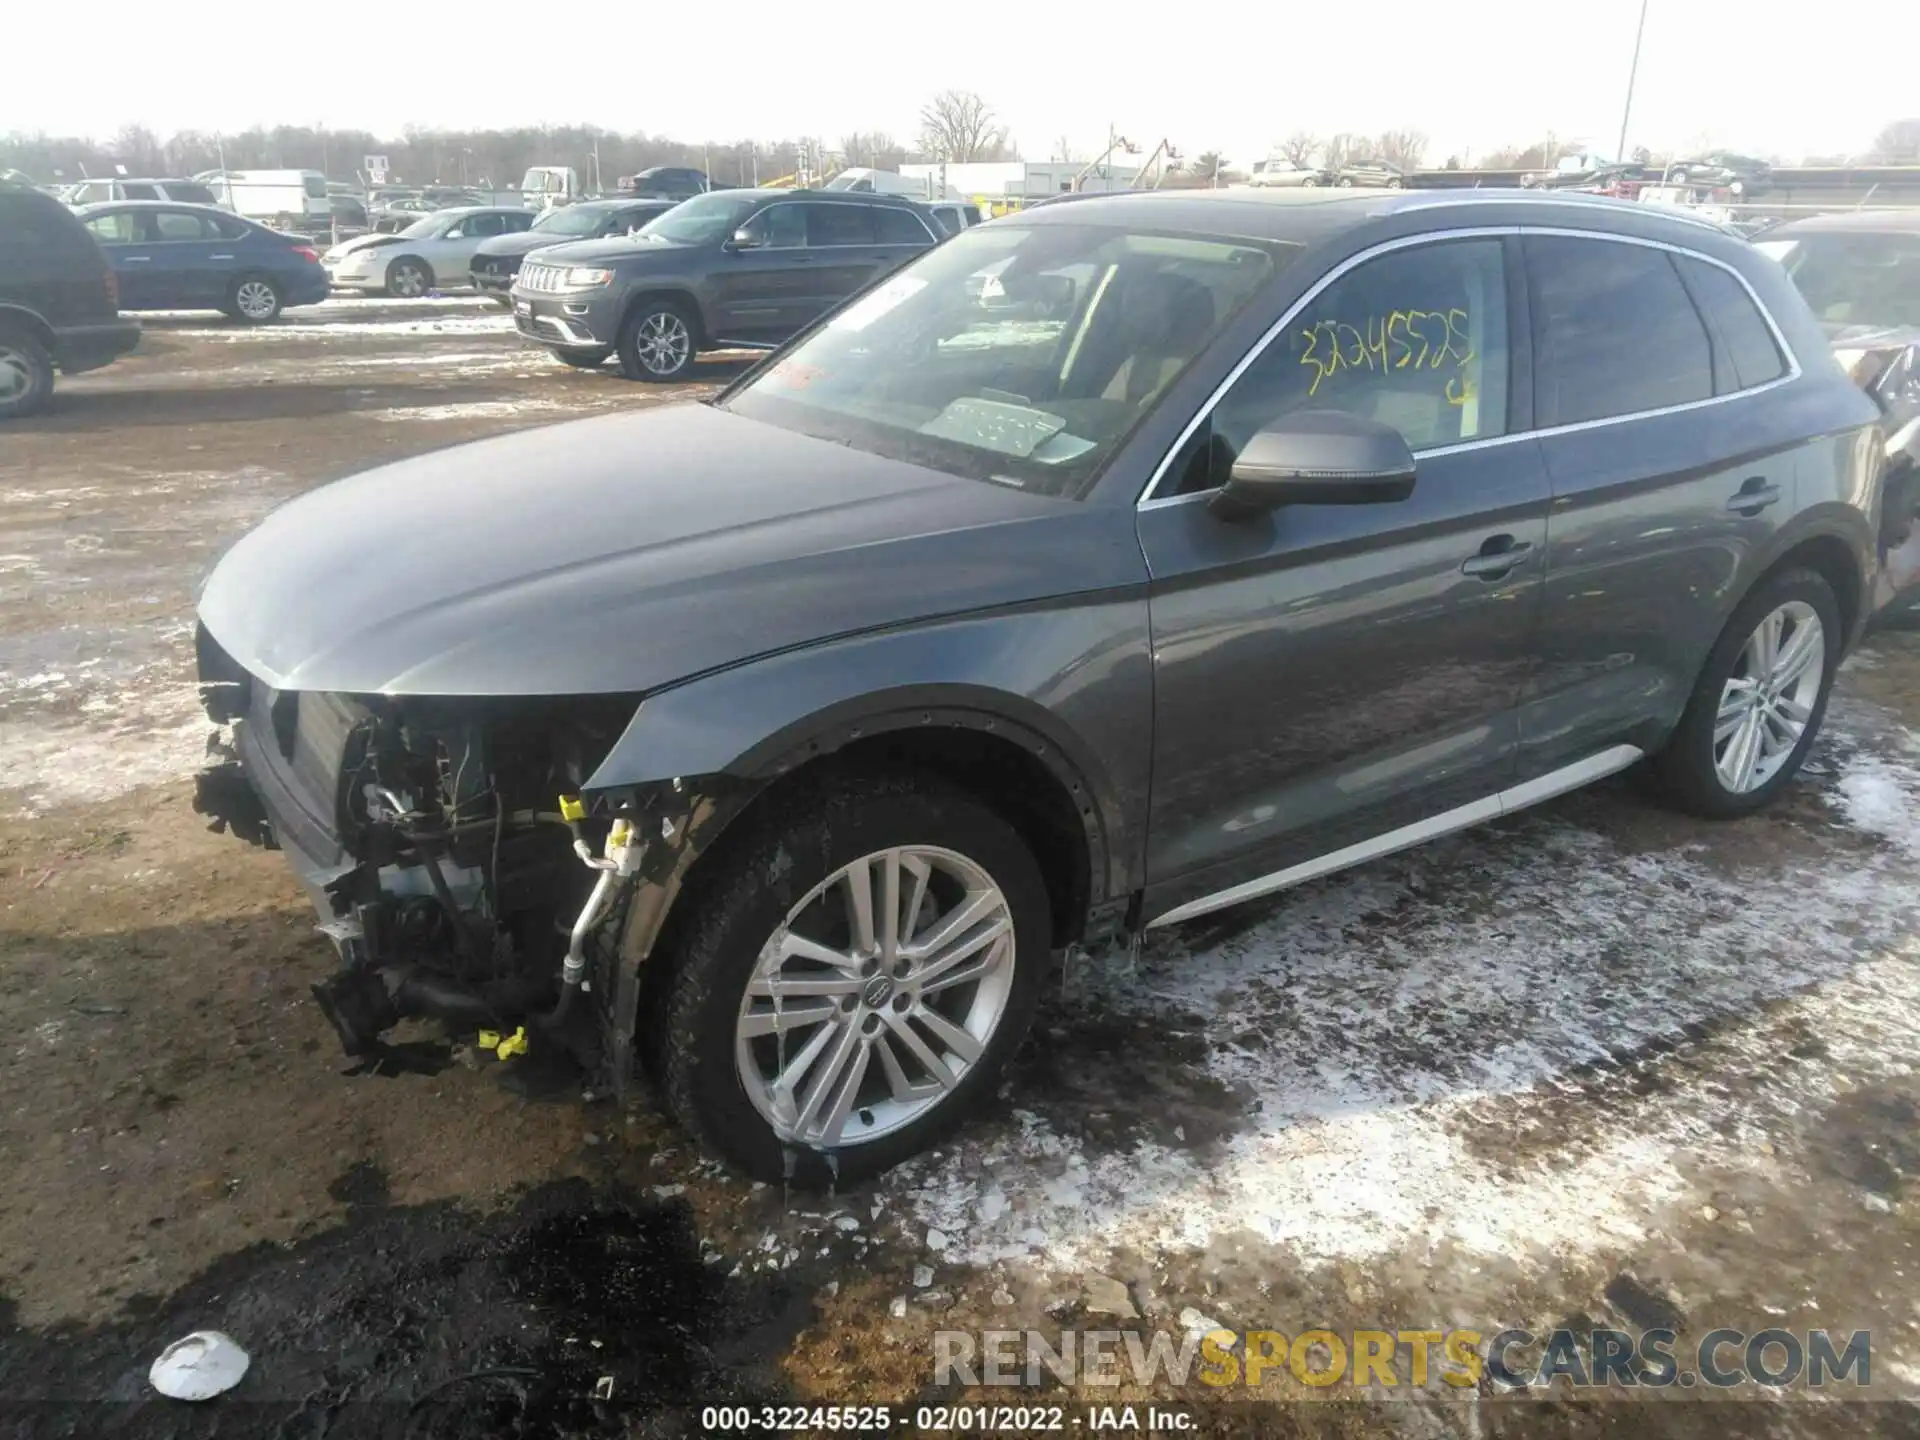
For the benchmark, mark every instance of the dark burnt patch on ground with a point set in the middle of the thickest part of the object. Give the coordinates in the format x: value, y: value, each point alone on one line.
x: 432, y: 1321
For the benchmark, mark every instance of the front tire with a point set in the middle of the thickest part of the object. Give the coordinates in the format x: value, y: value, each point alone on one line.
x: 853, y: 979
x: 26, y: 374
x: 408, y: 278
x: 656, y: 342
x: 254, y: 300
x: 1758, y: 704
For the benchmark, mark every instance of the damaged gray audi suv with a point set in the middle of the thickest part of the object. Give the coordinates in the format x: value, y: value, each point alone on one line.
x: 1106, y: 566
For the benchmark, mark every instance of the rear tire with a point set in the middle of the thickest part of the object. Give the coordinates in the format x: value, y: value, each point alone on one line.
x: 408, y: 278
x: 789, y: 879
x: 1744, y: 698
x: 583, y: 359
x: 254, y: 300
x: 26, y: 374
x: 656, y: 342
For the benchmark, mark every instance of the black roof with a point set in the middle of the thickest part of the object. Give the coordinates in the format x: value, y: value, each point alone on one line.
x: 1853, y: 222
x: 776, y: 192
x: 1308, y: 216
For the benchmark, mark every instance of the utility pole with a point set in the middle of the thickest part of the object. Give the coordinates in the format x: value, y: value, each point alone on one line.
x: 1620, y: 150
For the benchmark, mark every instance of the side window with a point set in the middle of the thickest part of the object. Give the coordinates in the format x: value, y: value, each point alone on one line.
x: 1416, y: 339
x: 780, y: 227
x: 177, y: 225
x: 829, y: 224
x: 899, y: 227
x: 1614, y: 331
x: 482, y: 226
x: 143, y: 192
x: 514, y: 224
x: 1751, y: 352
x: 228, y: 227
x: 114, y: 229
x: 94, y: 191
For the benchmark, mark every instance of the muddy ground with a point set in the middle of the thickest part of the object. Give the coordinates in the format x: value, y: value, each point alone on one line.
x: 1596, y: 1066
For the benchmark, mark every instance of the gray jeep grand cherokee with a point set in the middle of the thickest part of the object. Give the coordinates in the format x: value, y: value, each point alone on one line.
x: 1107, y: 566
x: 732, y: 269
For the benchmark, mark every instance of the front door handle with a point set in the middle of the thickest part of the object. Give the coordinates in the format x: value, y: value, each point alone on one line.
x: 136, y: 259
x: 219, y: 257
x: 1498, y: 557
x: 1755, y: 495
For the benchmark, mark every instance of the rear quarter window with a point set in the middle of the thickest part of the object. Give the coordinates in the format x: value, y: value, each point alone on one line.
x: 1749, y: 355
x: 1615, y: 332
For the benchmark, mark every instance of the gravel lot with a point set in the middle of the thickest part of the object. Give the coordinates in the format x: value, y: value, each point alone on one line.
x: 1598, y: 1064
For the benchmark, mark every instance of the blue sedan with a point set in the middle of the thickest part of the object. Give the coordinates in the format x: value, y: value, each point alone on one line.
x: 169, y: 256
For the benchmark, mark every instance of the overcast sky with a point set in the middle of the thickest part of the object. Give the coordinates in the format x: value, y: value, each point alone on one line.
x: 1230, y: 77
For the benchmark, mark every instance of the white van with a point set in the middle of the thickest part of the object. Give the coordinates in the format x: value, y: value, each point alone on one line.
x: 863, y: 181
x: 281, y: 197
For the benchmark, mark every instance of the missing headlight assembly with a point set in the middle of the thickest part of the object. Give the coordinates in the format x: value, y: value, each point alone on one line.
x: 442, y: 843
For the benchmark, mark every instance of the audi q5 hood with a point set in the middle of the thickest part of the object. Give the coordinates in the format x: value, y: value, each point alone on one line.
x: 626, y: 552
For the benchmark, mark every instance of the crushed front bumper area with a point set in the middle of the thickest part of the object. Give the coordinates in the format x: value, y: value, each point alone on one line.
x: 446, y: 890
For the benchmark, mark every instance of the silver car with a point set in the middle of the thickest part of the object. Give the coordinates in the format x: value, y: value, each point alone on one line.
x: 436, y: 249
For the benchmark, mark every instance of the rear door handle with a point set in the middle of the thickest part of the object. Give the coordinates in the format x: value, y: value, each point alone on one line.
x: 136, y: 259
x: 1497, y: 558
x: 220, y: 257
x: 1754, y: 496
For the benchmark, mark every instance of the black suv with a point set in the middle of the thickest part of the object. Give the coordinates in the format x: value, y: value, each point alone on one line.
x: 498, y: 260
x: 731, y: 269
x: 59, y: 301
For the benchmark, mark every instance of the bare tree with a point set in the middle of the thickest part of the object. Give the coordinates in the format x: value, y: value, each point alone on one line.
x: 1208, y: 166
x: 873, y: 148
x: 1403, y: 148
x: 1299, y: 147
x: 1346, y: 149
x: 958, y: 125
x: 1898, y: 144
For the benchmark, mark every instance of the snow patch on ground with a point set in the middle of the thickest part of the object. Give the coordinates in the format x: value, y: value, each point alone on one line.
x: 477, y: 410
x: 348, y: 329
x: 1378, y: 1023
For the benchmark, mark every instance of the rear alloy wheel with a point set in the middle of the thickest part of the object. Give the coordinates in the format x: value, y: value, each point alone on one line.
x: 255, y: 300
x: 854, y: 982
x: 26, y: 374
x: 1760, y: 698
x: 408, y: 278
x: 656, y: 343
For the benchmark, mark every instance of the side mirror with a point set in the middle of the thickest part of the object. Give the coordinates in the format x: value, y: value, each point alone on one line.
x: 744, y: 239
x: 1316, y: 457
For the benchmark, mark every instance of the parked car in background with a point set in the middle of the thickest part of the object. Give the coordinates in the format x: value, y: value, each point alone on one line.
x: 1859, y: 271
x: 188, y: 192
x: 288, y: 199
x: 348, y: 214
x: 1377, y: 174
x: 728, y: 269
x: 200, y: 257
x: 1284, y: 174
x: 497, y: 261
x: 434, y: 250
x: 669, y: 182
x: 950, y: 638
x: 1740, y: 175
x: 59, y: 300
x: 953, y: 216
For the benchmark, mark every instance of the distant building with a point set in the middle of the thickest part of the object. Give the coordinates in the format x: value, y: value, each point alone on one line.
x: 1012, y: 182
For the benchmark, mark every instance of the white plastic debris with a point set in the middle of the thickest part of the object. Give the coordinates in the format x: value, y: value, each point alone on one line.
x: 199, y: 1366
x: 922, y: 1276
x: 846, y: 1223
x: 898, y: 1309
x: 936, y: 1241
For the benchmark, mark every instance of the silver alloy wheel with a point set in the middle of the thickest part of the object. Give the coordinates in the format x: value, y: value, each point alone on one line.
x: 16, y: 375
x: 661, y: 342
x: 255, y: 300
x: 1768, y: 700
x: 879, y: 992
x: 407, y: 281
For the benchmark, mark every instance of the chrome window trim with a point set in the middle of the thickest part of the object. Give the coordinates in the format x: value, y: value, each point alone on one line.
x: 1149, y: 500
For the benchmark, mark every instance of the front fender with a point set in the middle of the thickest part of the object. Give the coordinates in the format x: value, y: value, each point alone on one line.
x: 1071, y: 681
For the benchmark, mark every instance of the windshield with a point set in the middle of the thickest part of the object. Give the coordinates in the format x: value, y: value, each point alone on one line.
x: 1014, y: 354
x: 572, y: 220
x: 424, y: 229
x: 702, y: 220
x: 1854, y: 279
